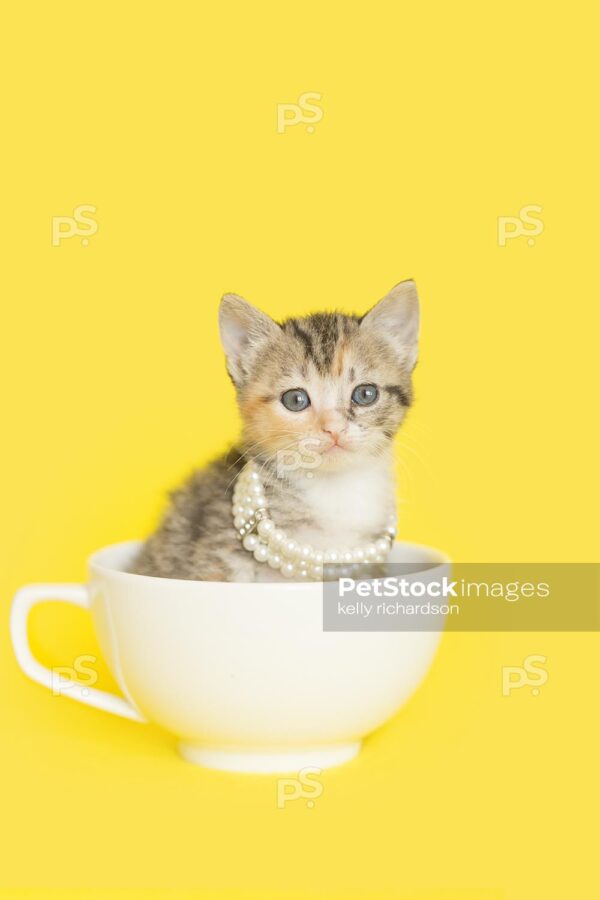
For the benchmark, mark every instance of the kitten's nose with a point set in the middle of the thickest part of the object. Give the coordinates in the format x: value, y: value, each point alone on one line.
x: 334, y: 428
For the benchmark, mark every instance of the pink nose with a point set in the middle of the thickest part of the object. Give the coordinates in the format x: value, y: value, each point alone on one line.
x: 334, y: 431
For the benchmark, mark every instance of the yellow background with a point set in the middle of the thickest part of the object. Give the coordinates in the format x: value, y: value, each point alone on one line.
x: 437, y: 119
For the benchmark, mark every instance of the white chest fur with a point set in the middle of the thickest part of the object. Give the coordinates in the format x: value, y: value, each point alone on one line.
x: 347, y: 507
x: 340, y: 516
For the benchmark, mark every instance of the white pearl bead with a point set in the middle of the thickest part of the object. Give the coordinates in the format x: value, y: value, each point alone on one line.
x: 345, y: 555
x: 252, y: 475
x: 261, y: 554
x: 358, y: 555
x: 302, y: 573
x: 318, y: 557
x: 288, y: 569
x: 239, y: 521
x: 316, y: 572
x: 306, y: 553
x: 250, y: 542
x: 290, y: 548
x: 331, y: 556
x: 277, y: 538
x: 381, y: 545
x: 266, y: 527
x: 237, y: 509
x: 380, y: 558
x: 370, y: 551
x: 274, y: 560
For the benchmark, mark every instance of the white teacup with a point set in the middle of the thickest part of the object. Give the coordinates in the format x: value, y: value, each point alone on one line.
x: 243, y: 674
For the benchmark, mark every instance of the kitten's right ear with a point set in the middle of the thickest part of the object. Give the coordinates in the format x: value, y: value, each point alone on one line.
x: 396, y: 318
x: 243, y: 330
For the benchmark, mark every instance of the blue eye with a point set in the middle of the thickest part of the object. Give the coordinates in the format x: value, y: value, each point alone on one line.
x: 295, y: 400
x: 365, y: 394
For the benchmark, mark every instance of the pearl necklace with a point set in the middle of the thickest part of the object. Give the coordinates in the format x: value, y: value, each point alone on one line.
x: 271, y: 545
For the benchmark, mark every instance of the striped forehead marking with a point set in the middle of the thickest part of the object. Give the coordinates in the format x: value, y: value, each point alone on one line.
x: 320, y: 335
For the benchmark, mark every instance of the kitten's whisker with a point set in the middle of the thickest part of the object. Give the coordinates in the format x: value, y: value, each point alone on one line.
x: 251, y: 447
x: 245, y: 451
x: 268, y: 458
x: 405, y: 446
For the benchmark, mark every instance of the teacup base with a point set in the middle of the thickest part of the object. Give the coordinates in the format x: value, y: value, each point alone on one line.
x: 265, y: 762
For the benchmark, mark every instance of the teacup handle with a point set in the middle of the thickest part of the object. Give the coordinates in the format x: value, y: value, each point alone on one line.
x: 77, y: 594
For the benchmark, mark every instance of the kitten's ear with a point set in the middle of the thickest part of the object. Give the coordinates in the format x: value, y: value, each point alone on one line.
x: 243, y: 329
x: 396, y: 318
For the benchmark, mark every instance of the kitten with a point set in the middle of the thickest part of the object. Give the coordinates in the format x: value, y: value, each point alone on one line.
x: 321, y: 398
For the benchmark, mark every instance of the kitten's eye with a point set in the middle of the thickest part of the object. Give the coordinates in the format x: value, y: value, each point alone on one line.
x: 365, y: 394
x: 295, y: 400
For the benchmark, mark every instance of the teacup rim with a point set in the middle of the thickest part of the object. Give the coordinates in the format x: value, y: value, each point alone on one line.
x: 96, y: 565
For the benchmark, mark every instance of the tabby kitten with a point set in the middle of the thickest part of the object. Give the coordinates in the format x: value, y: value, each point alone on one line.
x: 321, y: 398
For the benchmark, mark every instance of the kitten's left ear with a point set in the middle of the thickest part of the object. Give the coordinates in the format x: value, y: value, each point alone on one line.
x: 243, y: 330
x: 396, y: 318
